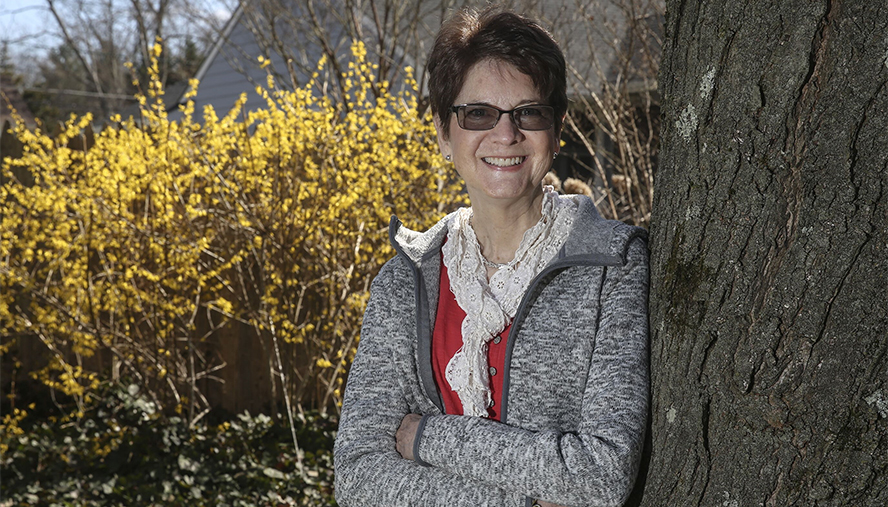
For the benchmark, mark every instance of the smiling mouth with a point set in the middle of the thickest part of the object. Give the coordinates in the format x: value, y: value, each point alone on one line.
x: 504, y: 162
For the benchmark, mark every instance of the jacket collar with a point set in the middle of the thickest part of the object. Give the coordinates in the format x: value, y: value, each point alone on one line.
x: 591, y: 236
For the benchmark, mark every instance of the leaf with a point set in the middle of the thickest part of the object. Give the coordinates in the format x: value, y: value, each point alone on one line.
x: 274, y: 474
x: 187, y: 464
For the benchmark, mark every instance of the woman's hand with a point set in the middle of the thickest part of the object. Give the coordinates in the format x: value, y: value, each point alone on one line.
x: 406, y: 435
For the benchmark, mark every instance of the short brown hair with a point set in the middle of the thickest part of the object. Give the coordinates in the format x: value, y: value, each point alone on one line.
x: 469, y: 37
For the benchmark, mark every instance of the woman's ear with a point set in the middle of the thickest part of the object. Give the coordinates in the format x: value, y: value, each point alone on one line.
x: 558, y: 130
x: 443, y: 138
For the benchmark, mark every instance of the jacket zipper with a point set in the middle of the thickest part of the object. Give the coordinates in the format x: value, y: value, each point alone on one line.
x: 521, y: 313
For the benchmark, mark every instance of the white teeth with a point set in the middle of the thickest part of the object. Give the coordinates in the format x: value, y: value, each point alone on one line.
x: 503, y: 162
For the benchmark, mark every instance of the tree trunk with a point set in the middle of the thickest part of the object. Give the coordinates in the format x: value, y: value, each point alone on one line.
x: 769, y: 307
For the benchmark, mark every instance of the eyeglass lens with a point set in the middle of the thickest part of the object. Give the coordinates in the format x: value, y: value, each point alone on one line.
x: 481, y: 117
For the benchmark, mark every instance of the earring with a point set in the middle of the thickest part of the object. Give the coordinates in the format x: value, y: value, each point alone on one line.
x: 447, y: 158
x: 555, y: 156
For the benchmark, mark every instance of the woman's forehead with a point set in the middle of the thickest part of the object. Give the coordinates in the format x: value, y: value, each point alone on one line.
x: 497, y: 83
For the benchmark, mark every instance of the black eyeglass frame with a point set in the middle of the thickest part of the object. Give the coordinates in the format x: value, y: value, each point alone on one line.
x: 460, y: 110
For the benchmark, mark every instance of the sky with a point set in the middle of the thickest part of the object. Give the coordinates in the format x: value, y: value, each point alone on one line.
x: 23, y: 25
x: 27, y: 28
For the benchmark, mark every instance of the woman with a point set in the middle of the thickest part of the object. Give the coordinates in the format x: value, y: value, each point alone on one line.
x: 503, y: 355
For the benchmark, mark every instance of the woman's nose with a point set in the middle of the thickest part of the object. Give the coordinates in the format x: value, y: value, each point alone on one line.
x: 506, y: 130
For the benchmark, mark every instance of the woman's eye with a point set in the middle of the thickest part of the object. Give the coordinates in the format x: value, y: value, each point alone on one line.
x: 529, y: 111
x: 477, y: 112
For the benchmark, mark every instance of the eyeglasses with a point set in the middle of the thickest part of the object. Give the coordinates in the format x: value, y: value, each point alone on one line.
x: 483, y: 117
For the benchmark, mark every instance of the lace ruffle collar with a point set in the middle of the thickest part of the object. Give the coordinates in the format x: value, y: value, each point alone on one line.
x: 491, y: 305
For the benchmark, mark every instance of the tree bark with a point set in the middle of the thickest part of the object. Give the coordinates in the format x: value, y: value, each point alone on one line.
x: 769, y: 308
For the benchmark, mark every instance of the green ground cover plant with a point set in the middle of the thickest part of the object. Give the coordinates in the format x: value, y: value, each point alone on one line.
x: 124, y: 452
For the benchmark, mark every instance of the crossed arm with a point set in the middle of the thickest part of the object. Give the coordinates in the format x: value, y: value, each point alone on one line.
x: 406, y: 437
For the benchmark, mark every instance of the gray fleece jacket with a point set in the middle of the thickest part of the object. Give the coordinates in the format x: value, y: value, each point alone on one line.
x: 575, y: 386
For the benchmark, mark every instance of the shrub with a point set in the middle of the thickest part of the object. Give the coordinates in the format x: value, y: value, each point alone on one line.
x: 121, y: 452
x: 148, y: 239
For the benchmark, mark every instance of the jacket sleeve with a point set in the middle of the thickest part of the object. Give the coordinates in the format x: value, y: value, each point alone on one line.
x: 369, y: 471
x: 597, y: 464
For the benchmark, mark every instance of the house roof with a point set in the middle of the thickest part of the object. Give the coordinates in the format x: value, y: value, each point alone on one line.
x: 232, y: 68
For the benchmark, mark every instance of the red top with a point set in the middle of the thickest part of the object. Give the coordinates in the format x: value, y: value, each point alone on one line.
x: 447, y: 339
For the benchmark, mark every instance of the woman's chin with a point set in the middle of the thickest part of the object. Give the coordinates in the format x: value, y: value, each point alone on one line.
x: 505, y: 192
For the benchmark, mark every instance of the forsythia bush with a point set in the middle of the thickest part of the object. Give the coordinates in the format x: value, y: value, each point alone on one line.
x: 143, y: 245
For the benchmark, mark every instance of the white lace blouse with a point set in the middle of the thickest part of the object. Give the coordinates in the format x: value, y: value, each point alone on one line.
x: 491, y: 305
